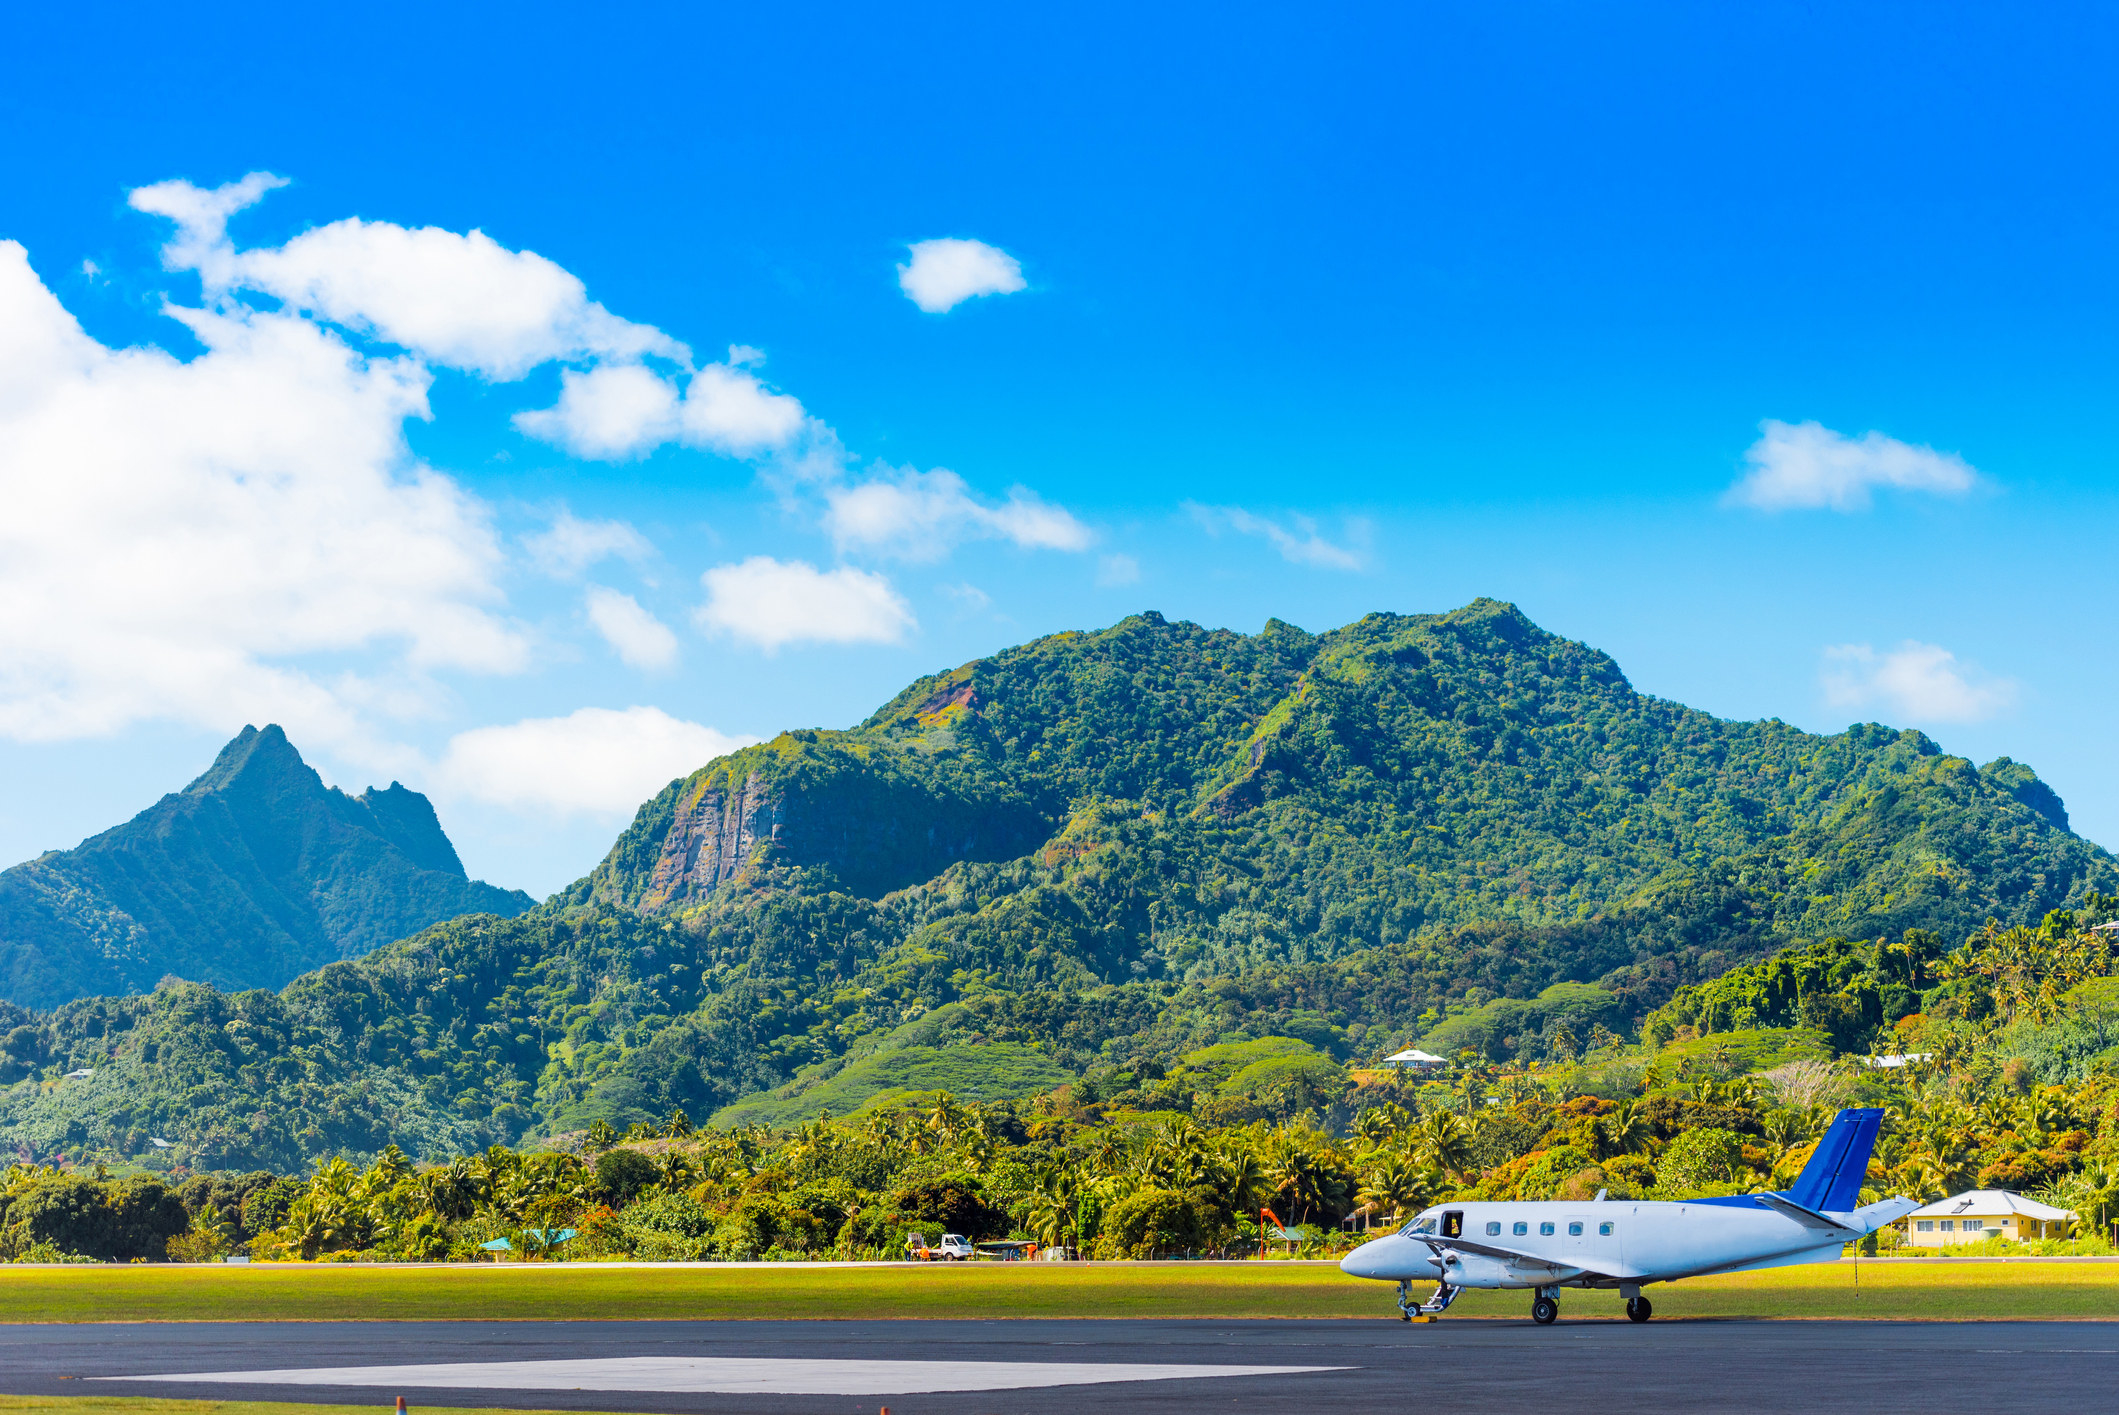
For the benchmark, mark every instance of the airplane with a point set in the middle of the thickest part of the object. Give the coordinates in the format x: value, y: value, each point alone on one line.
x: 1629, y: 1243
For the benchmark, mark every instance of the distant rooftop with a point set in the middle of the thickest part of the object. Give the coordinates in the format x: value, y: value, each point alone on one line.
x: 1982, y: 1202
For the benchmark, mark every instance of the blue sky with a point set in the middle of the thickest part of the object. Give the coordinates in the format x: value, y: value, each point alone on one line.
x: 1322, y: 311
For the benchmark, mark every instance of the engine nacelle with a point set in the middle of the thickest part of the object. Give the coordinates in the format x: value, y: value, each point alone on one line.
x: 1479, y: 1270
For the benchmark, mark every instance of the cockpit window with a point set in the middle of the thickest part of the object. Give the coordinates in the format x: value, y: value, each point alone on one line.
x: 1423, y: 1224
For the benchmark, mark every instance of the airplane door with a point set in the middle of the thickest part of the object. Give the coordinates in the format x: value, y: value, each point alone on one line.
x: 1577, y: 1237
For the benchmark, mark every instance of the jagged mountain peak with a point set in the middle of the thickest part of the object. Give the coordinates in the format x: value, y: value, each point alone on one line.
x: 256, y: 759
x: 254, y: 873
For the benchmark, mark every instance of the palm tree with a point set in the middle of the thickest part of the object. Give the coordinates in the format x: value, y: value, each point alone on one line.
x: 1380, y: 1122
x: 1625, y: 1131
x: 1392, y: 1185
x: 1292, y: 1171
x: 1242, y: 1178
x: 1444, y: 1141
x: 1052, y: 1209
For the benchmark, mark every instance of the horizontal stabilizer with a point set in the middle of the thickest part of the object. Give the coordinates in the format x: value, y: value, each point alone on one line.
x: 1874, y: 1216
x: 1809, y: 1218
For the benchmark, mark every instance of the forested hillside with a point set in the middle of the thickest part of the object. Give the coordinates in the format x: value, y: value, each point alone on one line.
x: 253, y: 874
x: 1094, y: 848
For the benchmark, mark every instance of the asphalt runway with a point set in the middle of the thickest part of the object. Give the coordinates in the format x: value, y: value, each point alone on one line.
x: 842, y: 1368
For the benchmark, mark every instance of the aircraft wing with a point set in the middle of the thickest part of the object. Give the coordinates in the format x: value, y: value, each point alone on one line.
x: 1506, y: 1255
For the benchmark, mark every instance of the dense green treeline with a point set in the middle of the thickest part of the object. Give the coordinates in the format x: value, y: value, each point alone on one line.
x: 1155, y: 1156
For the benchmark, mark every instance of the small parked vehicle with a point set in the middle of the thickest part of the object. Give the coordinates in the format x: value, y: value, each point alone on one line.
x: 954, y: 1248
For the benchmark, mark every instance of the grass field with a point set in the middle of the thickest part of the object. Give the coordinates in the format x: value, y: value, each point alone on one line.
x: 1886, y: 1288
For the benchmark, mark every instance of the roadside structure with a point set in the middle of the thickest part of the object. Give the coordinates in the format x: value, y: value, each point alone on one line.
x: 1984, y: 1213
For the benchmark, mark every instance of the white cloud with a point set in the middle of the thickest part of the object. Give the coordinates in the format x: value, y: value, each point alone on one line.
x: 1114, y: 570
x: 728, y: 410
x: 638, y: 637
x: 923, y: 515
x: 571, y: 545
x: 595, y: 761
x: 244, y: 533
x: 201, y: 214
x: 770, y: 603
x: 1299, y: 543
x: 1798, y: 466
x: 616, y: 411
x: 609, y: 412
x: 1915, y: 682
x: 175, y: 531
x: 945, y: 273
x: 968, y: 595
x: 462, y: 301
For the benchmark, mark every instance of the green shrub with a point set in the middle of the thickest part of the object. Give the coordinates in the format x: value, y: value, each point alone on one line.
x: 622, y: 1174
x: 669, y: 1228
x: 1152, y: 1223
x: 113, y: 1221
x: 1699, y: 1162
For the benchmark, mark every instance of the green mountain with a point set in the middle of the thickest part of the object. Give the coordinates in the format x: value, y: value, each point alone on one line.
x: 250, y: 876
x: 1109, y: 847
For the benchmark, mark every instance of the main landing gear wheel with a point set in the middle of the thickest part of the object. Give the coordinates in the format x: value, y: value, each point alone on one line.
x: 1639, y: 1310
x: 1544, y: 1311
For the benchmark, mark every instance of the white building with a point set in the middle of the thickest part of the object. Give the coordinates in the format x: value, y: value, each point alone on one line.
x: 1411, y: 1060
x: 1984, y: 1213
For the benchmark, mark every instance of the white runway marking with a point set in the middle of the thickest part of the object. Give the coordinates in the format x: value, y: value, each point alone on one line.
x: 730, y: 1375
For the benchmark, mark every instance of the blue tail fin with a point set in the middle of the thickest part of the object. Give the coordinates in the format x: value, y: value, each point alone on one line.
x: 1832, y: 1179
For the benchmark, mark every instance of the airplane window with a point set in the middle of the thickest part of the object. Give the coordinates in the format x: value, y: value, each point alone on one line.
x: 1493, y: 1229
x: 1574, y: 1230
x: 1521, y: 1228
x: 1424, y: 1224
x: 1453, y: 1224
x: 1604, y: 1229
x: 1546, y: 1229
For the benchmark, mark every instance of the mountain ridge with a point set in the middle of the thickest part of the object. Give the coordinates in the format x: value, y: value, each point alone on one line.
x: 252, y: 874
x: 1125, y: 843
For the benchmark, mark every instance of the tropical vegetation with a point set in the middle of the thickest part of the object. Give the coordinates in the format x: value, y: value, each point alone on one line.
x: 1101, y: 855
x: 2007, y: 1077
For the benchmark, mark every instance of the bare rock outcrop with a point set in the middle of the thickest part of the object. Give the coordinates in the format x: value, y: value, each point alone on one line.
x: 711, y: 840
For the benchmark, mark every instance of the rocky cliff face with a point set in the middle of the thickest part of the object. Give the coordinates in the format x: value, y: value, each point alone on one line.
x: 713, y: 835
x: 858, y: 812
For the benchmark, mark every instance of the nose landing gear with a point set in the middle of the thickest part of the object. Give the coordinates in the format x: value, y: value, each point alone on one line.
x: 1546, y: 1309
x: 1427, y: 1311
x: 1638, y: 1309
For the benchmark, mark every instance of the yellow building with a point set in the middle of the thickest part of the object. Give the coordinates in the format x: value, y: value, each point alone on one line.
x: 1981, y: 1214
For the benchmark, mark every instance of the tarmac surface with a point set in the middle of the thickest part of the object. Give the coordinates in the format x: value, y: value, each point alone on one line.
x: 1036, y: 1367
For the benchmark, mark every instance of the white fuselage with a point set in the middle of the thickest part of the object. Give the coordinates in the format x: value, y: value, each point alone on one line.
x: 1610, y: 1243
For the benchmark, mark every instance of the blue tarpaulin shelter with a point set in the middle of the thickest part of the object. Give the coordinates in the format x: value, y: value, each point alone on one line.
x: 542, y: 1237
